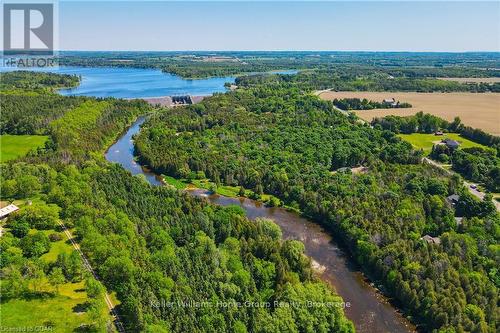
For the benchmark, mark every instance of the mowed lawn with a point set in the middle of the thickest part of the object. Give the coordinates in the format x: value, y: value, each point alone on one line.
x: 426, y: 141
x: 14, y: 146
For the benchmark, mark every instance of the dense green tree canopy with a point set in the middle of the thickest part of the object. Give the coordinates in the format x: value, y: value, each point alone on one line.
x: 389, y: 210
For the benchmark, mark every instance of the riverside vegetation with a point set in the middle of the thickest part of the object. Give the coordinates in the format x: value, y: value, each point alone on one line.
x: 270, y: 138
x: 273, y: 137
x: 150, y: 246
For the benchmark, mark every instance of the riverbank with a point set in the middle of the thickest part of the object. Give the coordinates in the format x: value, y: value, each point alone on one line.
x: 370, y: 310
x: 227, y: 191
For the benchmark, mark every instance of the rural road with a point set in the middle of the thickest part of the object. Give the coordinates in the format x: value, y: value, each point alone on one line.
x: 119, y: 326
x: 472, y: 191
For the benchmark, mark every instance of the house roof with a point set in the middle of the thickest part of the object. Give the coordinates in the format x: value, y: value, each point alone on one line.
x: 451, y: 143
x: 431, y: 240
x: 7, y: 210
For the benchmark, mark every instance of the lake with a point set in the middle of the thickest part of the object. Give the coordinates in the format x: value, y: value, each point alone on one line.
x: 134, y: 82
x: 369, y: 310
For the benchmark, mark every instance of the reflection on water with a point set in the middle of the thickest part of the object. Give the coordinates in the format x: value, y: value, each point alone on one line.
x: 133, y: 82
x: 369, y: 310
x: 122, y: 152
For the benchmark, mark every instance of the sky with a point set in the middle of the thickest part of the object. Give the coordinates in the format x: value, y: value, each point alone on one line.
x: 282, y: 25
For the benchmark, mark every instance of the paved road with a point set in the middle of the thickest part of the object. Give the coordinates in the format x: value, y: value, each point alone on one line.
x: 116, y: 320
x: 472, y: 191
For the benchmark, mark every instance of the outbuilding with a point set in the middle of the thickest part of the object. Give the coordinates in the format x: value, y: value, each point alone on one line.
x: 453, y: 199
x: 7, y: 210
x: 452, y: 144
x: 431, y: 240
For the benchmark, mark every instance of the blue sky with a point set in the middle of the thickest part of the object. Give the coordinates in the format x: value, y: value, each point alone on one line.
x: 282, y: 25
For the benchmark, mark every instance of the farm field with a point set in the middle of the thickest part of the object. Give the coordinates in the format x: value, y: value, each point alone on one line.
x: 478, y: 110
x: 14, y: 146
x: 426, y: 141
x: 472, y: 79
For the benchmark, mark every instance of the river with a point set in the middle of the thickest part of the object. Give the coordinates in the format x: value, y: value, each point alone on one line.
x: 369, y: 310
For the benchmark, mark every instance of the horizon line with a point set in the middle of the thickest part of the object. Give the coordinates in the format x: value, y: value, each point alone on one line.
x: 287, y: 50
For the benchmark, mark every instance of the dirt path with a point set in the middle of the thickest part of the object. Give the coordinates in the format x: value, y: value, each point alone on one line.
x: 116, y: 319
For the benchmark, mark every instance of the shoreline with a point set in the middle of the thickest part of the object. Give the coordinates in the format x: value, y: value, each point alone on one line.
x: 341, y: 272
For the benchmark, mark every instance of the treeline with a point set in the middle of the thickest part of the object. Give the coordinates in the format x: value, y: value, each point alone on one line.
x: 366, y: 79
x: 28, y: 272
x: 76, y: 126
x: 23, y: 113
x: 428, y: 123
x: 476, y: 164
x: 159, y: 250
x: 479, y: 165
x: 418, y: 123
x: 176, y: 263
x: 199, y: 64
x: 272, y: 138
x: 365, y: 104
x: 93, y: 125
x: 36, y: 80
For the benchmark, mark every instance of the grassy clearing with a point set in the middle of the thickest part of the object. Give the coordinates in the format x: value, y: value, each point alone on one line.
x: 14, y: 146
x: 179, y: 184
x: 56, y: 248
x: 426, y: 141
x: 61, y: 312
x: 225, y: 190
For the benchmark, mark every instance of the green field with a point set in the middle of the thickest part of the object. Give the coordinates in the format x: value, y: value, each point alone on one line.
x: 61, y: 312
x: 62, y: 246
x: 225, y: 190
x: 177, y: 183
x: 426, y: 141
x: 14, y: 146
x: 49, y: 309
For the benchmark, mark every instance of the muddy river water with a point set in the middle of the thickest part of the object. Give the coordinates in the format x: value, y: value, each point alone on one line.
x: 365, y: 306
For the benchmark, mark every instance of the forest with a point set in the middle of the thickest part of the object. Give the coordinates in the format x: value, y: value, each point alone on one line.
x: 475, y: 164
x: 155, y: 248
x: 199, y: 64
x: 36, y: 80
x: 366, y: 78
x: 272, y: 137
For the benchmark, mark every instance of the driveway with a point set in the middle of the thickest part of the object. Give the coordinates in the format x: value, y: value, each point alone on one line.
x: 474, y: 191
